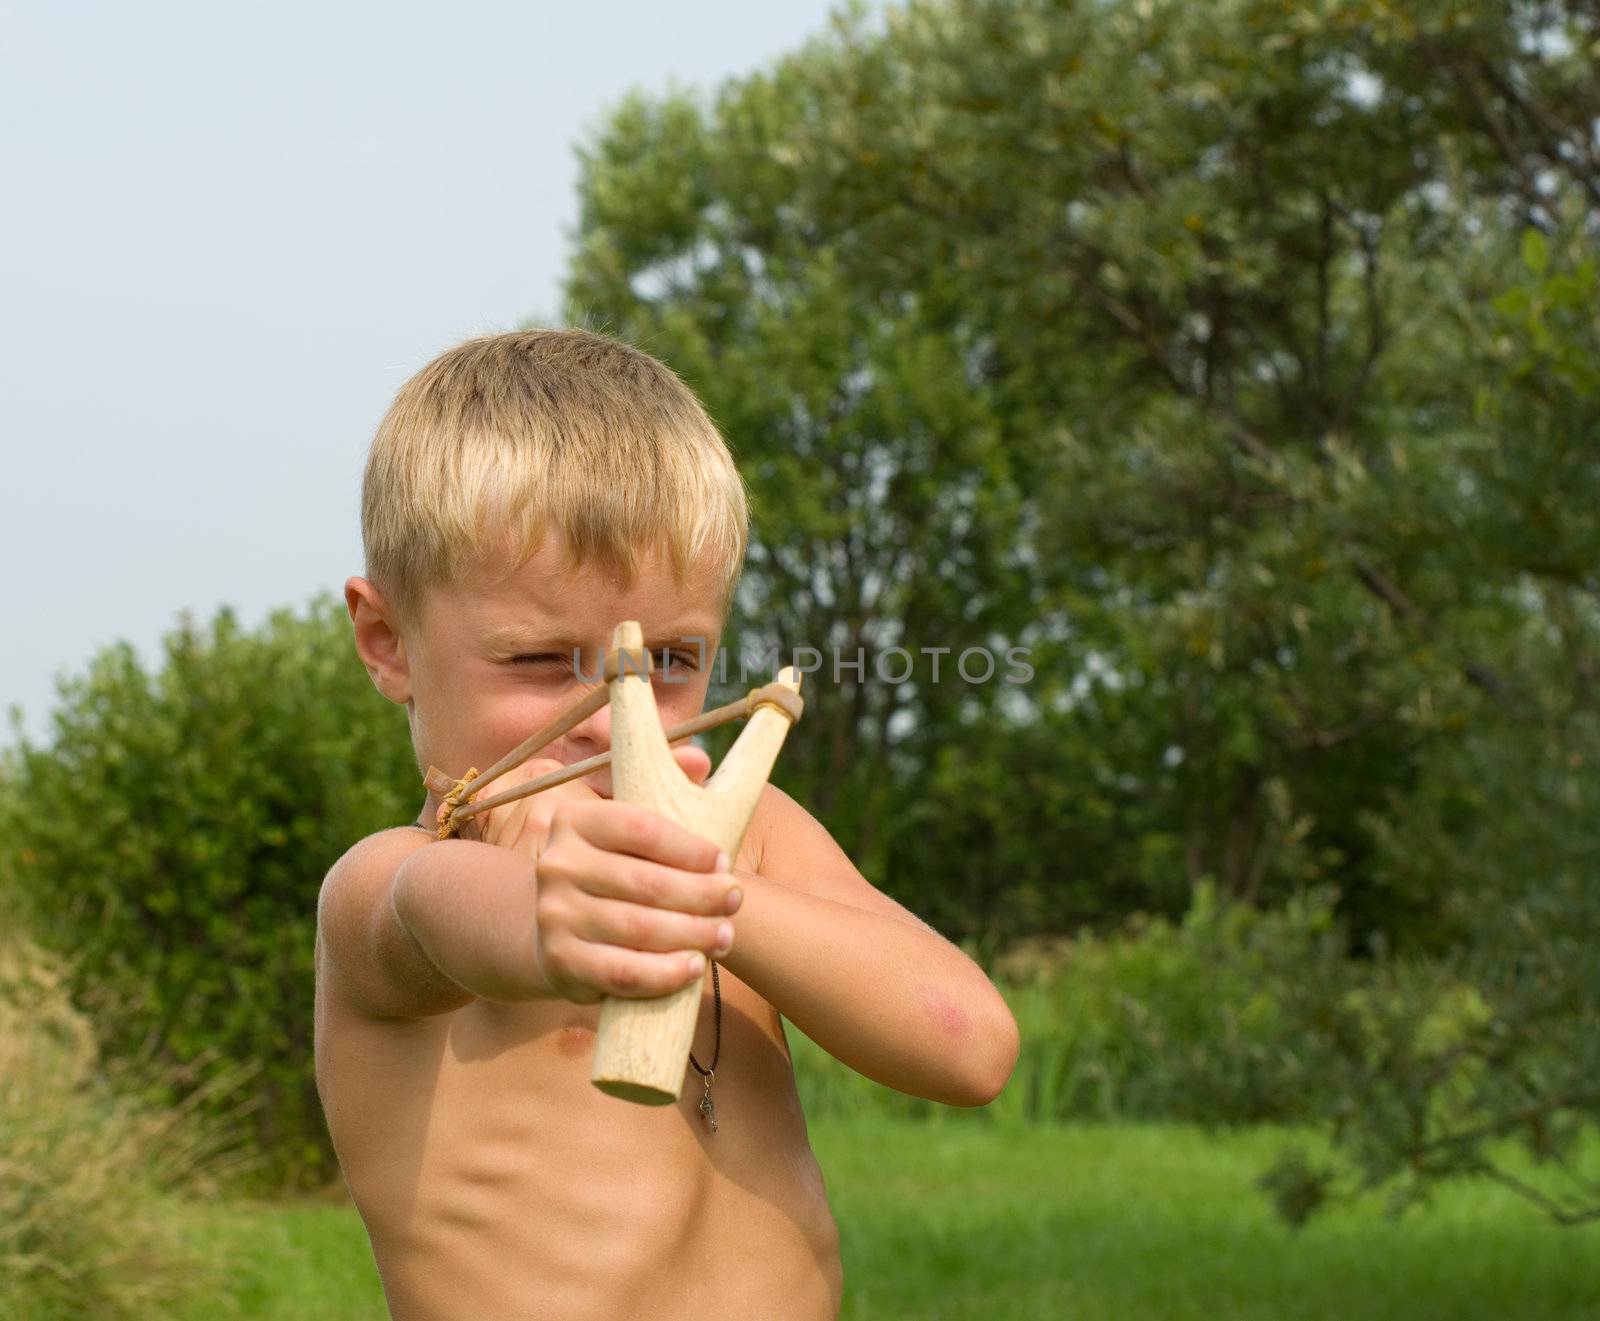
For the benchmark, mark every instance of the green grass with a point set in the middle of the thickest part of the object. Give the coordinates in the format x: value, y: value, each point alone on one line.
x: 1126, y: 1221
x: 1155, y: 1221
x: 295, y: 1261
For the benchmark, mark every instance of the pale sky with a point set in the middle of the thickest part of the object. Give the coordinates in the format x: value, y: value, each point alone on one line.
x: 230, y: 232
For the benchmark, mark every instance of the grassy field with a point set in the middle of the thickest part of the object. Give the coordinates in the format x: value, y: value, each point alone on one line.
x: 1134, y: 1221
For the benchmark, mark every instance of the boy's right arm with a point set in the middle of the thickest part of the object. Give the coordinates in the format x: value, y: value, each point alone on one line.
x: 623, y: 904
x: 414, y: 927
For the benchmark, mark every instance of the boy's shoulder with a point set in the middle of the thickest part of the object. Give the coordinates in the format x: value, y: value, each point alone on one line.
x: 364, y: 950
x: 369, y: 862
x: 778, y: 823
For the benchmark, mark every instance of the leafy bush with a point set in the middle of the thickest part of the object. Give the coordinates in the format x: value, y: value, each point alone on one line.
x: 1237, y: 1016
x: 173, y: 832
x: 85, y: 1167
x: 1203, y: 1020
x: 1234, y: 1015
x: 1194, y: 1020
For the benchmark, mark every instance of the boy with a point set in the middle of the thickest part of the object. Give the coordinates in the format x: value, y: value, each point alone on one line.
x: 524, y: 493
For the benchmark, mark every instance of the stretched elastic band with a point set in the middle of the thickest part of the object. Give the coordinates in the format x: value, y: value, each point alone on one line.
x: 458, y: 801
x: 779, y: 697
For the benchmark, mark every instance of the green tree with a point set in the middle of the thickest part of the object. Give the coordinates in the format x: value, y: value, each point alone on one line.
x: 171, y: 834
x: 1176, y: 326
x: 1183, y: 283
x: 1501, y: 823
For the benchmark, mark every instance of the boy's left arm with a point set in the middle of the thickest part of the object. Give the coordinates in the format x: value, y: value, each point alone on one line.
x: 864, y: 978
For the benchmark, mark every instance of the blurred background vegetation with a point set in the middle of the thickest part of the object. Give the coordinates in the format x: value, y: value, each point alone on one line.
x: 1242, y: 362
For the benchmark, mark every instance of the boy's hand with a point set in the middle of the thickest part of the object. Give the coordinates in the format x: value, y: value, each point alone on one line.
x: 628, y: 900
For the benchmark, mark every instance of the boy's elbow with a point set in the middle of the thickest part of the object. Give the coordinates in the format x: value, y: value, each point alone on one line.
x: 1003, y: 1060
x: 992, y: 1067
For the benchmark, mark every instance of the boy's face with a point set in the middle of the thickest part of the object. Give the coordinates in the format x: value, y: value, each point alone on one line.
x: 489, y: 661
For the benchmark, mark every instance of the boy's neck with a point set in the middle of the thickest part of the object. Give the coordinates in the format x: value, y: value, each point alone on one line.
x: 428, y: 819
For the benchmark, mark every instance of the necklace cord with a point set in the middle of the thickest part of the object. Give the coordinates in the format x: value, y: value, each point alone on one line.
x: 716, y: 1049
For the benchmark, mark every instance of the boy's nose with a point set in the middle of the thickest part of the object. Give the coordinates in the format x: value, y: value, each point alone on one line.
x: 592, y: 734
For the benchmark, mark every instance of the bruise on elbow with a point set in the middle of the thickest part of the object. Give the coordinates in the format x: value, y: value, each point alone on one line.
x: 986, y: 1072
x: 948, y: 1016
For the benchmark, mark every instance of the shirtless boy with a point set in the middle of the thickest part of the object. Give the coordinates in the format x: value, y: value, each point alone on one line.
x: 457, y: 981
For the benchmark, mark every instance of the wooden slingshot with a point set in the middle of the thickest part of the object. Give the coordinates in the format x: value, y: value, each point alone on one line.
x: 642, y: 1048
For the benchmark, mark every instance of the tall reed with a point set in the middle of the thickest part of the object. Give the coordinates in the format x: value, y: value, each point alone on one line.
x: 89, y: 1163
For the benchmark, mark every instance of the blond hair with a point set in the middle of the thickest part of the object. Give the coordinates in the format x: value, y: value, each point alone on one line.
x: 505, y: 437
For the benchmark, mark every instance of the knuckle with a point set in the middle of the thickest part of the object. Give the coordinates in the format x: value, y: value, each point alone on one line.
x: 569, y: 818
x: 648, y: 884
x: 637, y: 928
x: 624, y: 975
x: 647, y: 830
x: 557, y: 862
x: 552, y: 914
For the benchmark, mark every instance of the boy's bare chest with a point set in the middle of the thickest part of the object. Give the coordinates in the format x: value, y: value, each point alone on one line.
x: 479, y: 1132
x: 555, y: 1040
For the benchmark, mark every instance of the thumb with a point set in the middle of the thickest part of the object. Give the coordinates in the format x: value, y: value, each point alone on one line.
x: 695, y: 761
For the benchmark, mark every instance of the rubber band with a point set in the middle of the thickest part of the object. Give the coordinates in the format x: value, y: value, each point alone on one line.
x: 777, y: 696
x: 453, y: 800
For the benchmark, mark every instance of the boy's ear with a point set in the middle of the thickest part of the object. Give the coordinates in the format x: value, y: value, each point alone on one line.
x: 378, y: 640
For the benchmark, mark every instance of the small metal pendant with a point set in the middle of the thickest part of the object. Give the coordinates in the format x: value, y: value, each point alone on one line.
x: 708, y: 1111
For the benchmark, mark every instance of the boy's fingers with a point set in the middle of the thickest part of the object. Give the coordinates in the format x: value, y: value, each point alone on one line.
x: 529, y: 770
x: 695, y: 761
x: 633, y: 974
x: 626, y: 828
x: 638, y: 881
x: 654, y: 930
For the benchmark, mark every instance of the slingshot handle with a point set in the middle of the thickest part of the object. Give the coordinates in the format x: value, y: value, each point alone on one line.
x: 642, y: 1046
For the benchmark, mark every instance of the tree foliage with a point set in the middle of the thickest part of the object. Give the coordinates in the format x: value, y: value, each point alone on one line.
x: 171, y: 835
x: 1237, y: 360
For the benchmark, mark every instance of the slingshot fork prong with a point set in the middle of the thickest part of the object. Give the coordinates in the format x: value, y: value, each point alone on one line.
x: 747, y: 764
x: 642, y: 1046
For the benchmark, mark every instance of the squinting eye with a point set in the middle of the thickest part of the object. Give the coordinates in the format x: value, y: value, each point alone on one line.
x: 661, y: 659
x: 678, y: 660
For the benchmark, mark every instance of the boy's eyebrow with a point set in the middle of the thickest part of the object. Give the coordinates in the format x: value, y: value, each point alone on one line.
x: 520, y: 638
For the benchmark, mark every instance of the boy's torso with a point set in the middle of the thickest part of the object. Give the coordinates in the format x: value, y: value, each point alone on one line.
x: 496, y: 1182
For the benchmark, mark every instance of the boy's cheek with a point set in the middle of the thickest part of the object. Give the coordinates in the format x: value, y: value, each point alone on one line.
x: 683, y: 698
x: 493, y: 733
x: 498, y: 727
x: 454, y: 734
